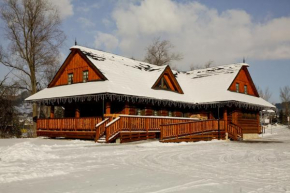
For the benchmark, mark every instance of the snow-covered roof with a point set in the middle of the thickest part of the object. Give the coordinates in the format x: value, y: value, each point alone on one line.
x: 134, y: 78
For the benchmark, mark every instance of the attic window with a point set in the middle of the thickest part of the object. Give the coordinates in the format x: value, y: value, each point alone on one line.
x: 85, y: 76
x: 163, y: 84
x: 246, y: 89
x: 237, y: 87
x: 70, y: 78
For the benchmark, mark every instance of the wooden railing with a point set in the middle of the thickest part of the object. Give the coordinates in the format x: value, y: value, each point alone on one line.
x: 101, y: 128
x: 69, y: 124
x: 139, y: 123
x: 234, y: 131
x: 177, y: 130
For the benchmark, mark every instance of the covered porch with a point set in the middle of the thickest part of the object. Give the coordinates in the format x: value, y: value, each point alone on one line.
x: 109, y: 120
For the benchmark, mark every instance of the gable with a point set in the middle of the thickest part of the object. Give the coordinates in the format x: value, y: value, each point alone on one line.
x: 243, y: 79
x: 76, y: 63
x: 167, y: 81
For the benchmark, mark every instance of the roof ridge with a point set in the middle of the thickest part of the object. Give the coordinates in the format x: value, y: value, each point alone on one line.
x: 121, y: 57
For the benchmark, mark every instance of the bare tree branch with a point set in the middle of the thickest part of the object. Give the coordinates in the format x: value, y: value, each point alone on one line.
x: 266, y: 94
x: 158, y: 53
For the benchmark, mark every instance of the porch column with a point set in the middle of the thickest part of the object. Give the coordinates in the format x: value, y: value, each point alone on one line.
x: 226, y: 119
x: 260, y: 130
x: 108, y: 108
x: 77, y: 112
x: 127, y: 109
x: 51, y: 112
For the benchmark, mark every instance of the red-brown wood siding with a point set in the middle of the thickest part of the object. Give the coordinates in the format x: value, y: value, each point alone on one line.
x: 243, y: 78
x: 76, y: 65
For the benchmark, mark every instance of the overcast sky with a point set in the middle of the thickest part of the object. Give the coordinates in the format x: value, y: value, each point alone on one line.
x: 222, y: 31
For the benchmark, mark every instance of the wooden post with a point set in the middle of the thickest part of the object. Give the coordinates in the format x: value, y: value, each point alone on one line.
x: 258, y: 123
x: 226, y: 120
x: 127, y: 109
x: 147, y: 126
x: 77, y: 113
x: 108, y: 108
x: 51, y: 112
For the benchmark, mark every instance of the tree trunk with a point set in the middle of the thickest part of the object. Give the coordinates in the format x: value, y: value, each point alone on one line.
x: 34, y: 106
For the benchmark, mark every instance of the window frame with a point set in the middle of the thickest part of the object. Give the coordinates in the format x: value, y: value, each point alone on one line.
x: 246, y: 89
x: 70, y: 78
x: 237, y: 87
x: 85, y: 76
x: 163, y: 84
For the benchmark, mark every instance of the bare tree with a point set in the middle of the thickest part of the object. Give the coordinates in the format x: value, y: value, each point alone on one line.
x: 9, y: 123
x: 197, y: 67
x: 285, y: 99
x: 33, y: 29
x: 159, y: 53
x: 208, y: 64
x: 265, y: 94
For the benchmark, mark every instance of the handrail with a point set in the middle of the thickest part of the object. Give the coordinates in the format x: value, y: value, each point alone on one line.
x: 234, y: 131
x: 70, y: 124
x: 67, y: 118
x: 181, y: 129
x: 101, y: 128
x: 158, y: 117
x: 189, y: 122
x: 139, y: 123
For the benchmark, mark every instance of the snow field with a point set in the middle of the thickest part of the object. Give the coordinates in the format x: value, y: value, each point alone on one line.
x: 46, y: 165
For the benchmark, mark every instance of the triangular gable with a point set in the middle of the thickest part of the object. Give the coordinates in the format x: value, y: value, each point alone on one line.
x: 76, y: 63
x: 167, y: 81
x: 243, y: 78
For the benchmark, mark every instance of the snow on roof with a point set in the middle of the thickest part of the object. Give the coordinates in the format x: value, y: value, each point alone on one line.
x: 131, y: 77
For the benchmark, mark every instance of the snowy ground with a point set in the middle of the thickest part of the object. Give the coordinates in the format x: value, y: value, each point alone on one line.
x: 45, y: 165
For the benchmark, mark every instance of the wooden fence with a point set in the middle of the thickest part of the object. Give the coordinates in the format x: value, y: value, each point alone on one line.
x: 69, y: 124
x: 177, y: 130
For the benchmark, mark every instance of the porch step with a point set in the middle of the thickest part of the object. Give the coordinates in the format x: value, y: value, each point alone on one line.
x: 102, y: 139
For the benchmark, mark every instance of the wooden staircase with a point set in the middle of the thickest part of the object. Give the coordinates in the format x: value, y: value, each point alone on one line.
x: 235, y: 132
x: 136, y: 128
x: 133, y: 128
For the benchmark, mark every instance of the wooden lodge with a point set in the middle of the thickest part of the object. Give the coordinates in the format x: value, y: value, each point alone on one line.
x: 110, y: 98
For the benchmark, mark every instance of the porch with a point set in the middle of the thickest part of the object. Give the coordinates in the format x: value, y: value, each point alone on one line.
x: 109, y: 121
x: 128, y: 128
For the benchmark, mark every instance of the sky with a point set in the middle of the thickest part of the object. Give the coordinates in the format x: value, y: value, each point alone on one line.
x: 221, y: 31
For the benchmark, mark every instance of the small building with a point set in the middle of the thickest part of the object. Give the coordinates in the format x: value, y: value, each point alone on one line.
x: 106, y: 96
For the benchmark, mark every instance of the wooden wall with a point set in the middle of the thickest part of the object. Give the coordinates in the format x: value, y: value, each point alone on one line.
x: 76, y: 64
x: 247, y: 120
x: 243, y: 78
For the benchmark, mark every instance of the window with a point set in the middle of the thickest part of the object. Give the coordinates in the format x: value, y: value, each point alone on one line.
x: 237, y: 87
x: 246, y: 89
x: 170, y: 113
x: 70, y: 78
x: 163, y: 84
x: 140, y: 111
x: 155, y: 113
x: 85, y: 76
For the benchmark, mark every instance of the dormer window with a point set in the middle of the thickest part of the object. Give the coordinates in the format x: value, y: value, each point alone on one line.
x: 167, y: 81
x: 237, y: 87
x: 246, y: 89
x: 85, y: 76
x: 70, y: 78
x: 163, y: 84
